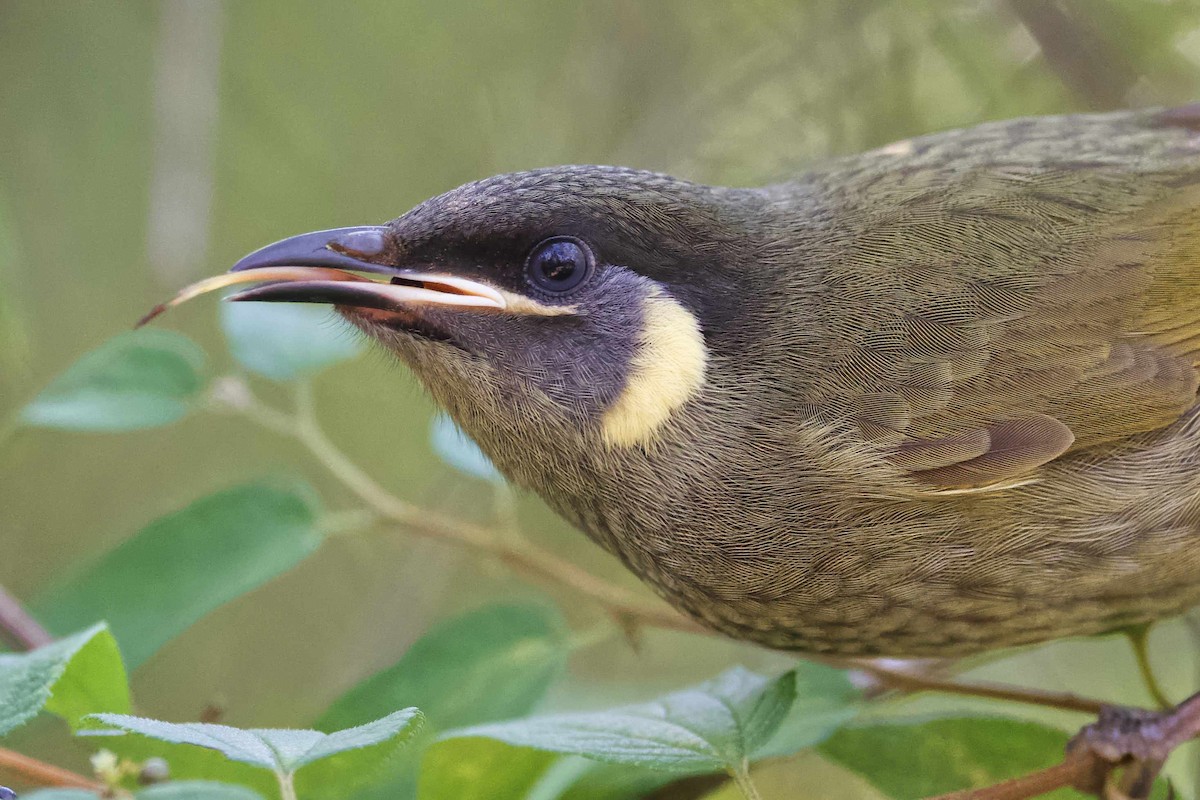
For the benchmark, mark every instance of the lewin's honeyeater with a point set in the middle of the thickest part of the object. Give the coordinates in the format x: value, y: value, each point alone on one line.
x: 924, y: 401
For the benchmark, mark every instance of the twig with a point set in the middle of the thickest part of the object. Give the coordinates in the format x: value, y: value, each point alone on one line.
x: 906, y: 681
x: 1139, y: 640
x: 1128, y: 744
x: 18, y: 627
x: 741, y: 778
x: 39, y: 773
x: 287, y: 785
x: 1074, y: 770
x: 548, y: 568
x: 1079, y: 53
x: 528, y: 559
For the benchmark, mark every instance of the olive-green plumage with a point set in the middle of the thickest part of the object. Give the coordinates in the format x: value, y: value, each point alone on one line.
x: 925, y: 401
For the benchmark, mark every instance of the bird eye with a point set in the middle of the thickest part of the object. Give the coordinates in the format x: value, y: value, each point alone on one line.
x: 559, y: 265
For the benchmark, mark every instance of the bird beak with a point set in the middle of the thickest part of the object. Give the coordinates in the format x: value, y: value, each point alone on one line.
x: 346, y: 251
x: 323, y: 267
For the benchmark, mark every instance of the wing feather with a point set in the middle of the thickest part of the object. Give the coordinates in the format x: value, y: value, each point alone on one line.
x: 989, y: 322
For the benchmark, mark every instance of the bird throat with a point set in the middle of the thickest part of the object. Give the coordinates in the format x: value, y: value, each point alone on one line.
x: 665, y: 372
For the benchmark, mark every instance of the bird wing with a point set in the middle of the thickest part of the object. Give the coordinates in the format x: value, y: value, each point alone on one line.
x: 984, y: 322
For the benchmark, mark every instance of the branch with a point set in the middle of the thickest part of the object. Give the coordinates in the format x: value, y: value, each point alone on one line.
x: 39, y: 773
x: 1083, y: 58
x: 908, y: 681
x: 527, y: 558
x: 1119, y: 755
x: 1074, y: 770
x: 18, y: 627
x: 548, y: 568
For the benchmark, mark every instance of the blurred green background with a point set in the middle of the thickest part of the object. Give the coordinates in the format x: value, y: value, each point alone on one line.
x: 147, y: 144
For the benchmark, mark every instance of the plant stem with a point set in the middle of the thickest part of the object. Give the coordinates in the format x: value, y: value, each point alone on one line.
x: 18, y: 626
x: 287, y: 785
x: 1072, y: 771
x: 1139, y: 640
x: 40, y: 773
x: 741, y: 777
x: 548, y: 568
x: 526, y: 558
x: 906, y: 681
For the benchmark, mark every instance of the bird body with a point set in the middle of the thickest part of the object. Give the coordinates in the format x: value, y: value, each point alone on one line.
x: 930, y: 400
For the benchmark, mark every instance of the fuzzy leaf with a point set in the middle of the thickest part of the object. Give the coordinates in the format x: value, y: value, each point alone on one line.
x: 493, y: 663
x: 715, y: 725
x: 198, y: 790
x: 283, y: 751
x: 825, y: 701
x: 175, y: 790
x: 73, y: 677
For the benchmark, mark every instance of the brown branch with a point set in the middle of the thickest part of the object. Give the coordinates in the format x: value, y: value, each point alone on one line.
x: 1119, y: 755
x: 1084, y: 59
x: 1074, y: 770
x: 907, y: 681
x: 549, y: 568
x: 39, y: 773
x: 523, y: 556
x: 18, y: 627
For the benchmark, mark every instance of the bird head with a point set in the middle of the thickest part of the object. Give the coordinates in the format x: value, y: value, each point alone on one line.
x: 574, y: 308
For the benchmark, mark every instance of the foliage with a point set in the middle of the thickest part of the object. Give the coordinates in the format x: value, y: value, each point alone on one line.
x: 216, y: 549
x: 915, y: 758
x: 719, y: 92
x: 73, y: 678
x: 141, y: 379
x: 341, y: 759
x: 477, y: 676
x: 285, y: 343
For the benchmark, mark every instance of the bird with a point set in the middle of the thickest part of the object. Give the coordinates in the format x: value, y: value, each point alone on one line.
x: 930, y: 400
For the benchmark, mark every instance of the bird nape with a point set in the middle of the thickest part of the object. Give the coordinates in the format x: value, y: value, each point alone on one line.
x: 929, y: 400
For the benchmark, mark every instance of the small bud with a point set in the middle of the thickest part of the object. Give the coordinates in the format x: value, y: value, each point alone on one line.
x: 106, y: 766
x: 154, y: 770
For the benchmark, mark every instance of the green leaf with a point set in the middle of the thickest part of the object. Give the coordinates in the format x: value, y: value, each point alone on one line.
x: 285, y: 341
x: 452, y: 445
x: 825, y: 701
x: 592, y: 780
x: 187, y: 763
x: 140, y: 379
x: 182, y: 566
x: 342, y: 758
x: 198, y: 790
x: 480, y: 769
x: 909, y: 760
x: 489, y: 664
x: 715, y: 725
x: 175, y: 790
x: 492, y: 663
x: 73, y: 677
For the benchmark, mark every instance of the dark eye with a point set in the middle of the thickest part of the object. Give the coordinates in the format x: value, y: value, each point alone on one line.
x: 559, y: 264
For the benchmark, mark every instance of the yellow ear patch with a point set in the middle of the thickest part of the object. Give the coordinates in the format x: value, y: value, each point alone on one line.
x: 666, y: 370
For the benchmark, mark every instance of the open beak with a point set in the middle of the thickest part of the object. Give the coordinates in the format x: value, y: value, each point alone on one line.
x: 322, y: 267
